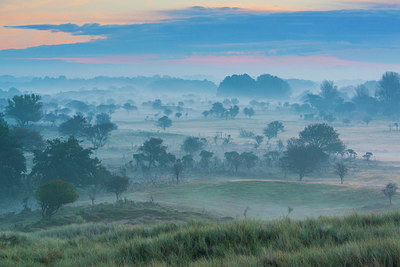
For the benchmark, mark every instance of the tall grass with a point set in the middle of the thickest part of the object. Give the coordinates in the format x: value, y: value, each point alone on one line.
x: 355, y: 240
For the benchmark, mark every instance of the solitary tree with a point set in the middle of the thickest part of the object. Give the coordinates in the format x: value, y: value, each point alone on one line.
x: 301, y: 158
x: 367, y: 119
x: 389, y: 191
x: 53, y: 195
x: 367, y: 156
x: 117, y: 185
x: 341, y: 170
x: 129, y: 107
x: 178, y: 168
x: 164, y: 122
x: 273, y: 129
x: 25, y: 108
x: 98, y: 134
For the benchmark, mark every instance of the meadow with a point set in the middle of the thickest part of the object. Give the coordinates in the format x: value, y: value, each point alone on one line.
x: 354, y: 240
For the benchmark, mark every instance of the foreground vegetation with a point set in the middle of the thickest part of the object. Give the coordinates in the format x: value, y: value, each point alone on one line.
x: 355, y: 240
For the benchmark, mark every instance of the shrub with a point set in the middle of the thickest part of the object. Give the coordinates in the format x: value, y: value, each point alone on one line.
x: 53, y: 195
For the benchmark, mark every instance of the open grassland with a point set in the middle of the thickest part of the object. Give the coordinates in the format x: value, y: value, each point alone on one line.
x: 271, y: 199
x: 354, y: 240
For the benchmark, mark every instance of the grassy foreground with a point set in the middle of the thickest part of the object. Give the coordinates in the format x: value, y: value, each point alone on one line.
x: 354, y: 240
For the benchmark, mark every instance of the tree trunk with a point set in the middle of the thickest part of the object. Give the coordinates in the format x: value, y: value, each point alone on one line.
x: 341, y: 180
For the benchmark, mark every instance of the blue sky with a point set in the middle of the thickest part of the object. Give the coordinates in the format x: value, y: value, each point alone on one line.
x: 214, y: 42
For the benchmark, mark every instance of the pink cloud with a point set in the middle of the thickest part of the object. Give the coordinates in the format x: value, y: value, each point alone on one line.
x: 226, y: 59
x: 119, y: 60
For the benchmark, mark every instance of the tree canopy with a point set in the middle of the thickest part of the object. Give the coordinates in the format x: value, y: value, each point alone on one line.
x: 12, y: 160
x: 25, y: 108
x: 67, y: 161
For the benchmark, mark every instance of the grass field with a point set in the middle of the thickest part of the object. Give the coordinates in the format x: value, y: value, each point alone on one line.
x: 269, y: 199
x: 355, y: 240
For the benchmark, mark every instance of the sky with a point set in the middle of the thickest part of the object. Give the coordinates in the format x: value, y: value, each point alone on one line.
x: 305, y: 39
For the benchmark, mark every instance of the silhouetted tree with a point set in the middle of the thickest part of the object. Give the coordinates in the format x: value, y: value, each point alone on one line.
x: 76, y: 126
x: 249, y: 159
x: 192, y: 145
x: 259, y: 139
x: 389, y: 191
x: 367, y: 156
x: 164, y: 122
x: 205, y: 158
x: 248, y: 112
x: 233, y: 158
x: 273, y: 129
x: 98, y: 134
x: 25, y: 109
x: 153, y: 150
x: 117, y: 185
x: 323, y: 137
x: 367, y: 119
x: 341, y: 170
x: 178, y: 168
x: 129, y: 107
x: 389, y: 92
x: 30, y: 139
x: 301, y: 158
x: 12, y: 160
x: 67, y: 161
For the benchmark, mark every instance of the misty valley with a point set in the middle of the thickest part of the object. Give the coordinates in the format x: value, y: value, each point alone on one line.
x: 170, y: 171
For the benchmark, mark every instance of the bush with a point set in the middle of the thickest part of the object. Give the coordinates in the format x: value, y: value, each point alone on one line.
x: 53, y: 195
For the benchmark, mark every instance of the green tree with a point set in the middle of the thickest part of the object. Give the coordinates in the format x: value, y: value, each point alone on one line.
x: 233, y: 158
x: 30, y: 139
x: 117, y: 185
x: 25, y: 109
x: 98, y: 134
x: 205, y: 158
x: 192, y: 145
x: 12, y: 160
x: 273, y: 129
x: 153, y: 150
x: 53, y: 195
x: 301, y: 158
x: 323, y: 137
x: 388, y: 92
x: 67, y: 161
x: 75, y: 126
x: 341, y: 170
x: 164, y: 122
x: 249, y: 159
x: 389, y: 191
